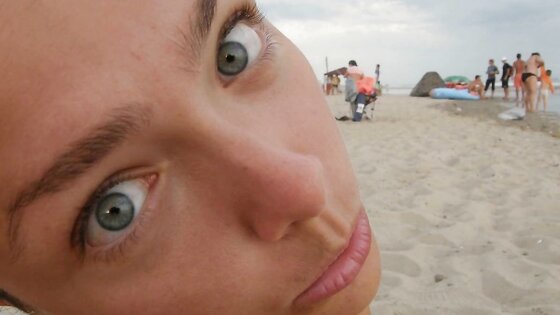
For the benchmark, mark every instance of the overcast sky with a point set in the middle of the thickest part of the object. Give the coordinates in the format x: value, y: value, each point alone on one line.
x: 410, y: 37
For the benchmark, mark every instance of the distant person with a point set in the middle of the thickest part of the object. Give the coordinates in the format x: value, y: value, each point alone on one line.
x: 530, y: 80
x: 353, y: 71
x: 546, y: 88
x: 353, y: 74
x: 476, y: 87
x: 491, y: 72
x: 377, y: 81
x: 518, y: 68
x: 329, y: 85
x: 335, y: 84
x: 507, y: 71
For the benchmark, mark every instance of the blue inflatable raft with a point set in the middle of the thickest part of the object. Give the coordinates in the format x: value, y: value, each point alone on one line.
x: 453, y: 94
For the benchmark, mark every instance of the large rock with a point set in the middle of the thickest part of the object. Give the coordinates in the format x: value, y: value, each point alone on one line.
x: 429, y: 81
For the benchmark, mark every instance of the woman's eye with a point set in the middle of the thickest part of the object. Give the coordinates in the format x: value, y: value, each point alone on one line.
x: 238, y: 50
x: 115, y: 211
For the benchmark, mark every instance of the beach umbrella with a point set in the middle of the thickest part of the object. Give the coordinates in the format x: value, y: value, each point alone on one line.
x: 456, y: 79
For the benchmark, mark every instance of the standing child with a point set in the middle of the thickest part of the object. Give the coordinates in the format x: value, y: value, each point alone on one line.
x: 546, y: 88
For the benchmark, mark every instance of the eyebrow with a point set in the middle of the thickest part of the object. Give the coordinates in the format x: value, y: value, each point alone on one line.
x: 205, y: 10
x: 81, y: 156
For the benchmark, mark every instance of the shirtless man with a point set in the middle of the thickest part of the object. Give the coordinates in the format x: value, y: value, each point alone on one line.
x: 476, y: 87
x: 529, y: 78
x: 518, y: 68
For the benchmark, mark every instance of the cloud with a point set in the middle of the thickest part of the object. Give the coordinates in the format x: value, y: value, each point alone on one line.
x: 411, y: 37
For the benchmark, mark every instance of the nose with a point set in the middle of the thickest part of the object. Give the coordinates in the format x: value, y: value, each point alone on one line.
x: 275, y: 187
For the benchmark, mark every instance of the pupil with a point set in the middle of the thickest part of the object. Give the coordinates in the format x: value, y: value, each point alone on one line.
x: 115, y: 212
x: 232, y: 58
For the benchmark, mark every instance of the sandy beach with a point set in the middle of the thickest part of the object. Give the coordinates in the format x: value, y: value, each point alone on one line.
x: 466, y: 209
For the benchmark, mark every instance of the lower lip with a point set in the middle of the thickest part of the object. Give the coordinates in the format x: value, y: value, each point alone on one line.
x: 345, y: 268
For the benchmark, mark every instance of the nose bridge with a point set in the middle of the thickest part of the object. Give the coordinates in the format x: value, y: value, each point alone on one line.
x: 275, y: 186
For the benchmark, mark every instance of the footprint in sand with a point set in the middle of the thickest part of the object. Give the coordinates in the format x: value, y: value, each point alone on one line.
x: 400, y: 264
x: 391, y: 281
x: 435, y: 239
x: 497, y: 288
x: 545, y: 250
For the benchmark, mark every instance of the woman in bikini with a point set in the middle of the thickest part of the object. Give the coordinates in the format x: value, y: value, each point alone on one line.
x: 157, y: 158
x: 529, y: 78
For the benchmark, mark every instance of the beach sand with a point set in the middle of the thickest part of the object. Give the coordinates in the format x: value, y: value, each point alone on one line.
x: 466, y: 210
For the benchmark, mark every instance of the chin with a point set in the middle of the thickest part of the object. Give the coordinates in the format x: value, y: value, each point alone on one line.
x: 364, y: 288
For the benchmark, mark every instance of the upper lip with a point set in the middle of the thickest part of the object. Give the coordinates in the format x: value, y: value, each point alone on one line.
x: 336, y: 254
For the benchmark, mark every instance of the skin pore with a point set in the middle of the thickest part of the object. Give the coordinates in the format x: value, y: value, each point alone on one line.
x: 241, y: 189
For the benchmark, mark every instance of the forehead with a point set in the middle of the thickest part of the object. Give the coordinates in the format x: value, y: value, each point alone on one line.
x: 51, y: 38
x: 55, y: 51
x: 63, y: 62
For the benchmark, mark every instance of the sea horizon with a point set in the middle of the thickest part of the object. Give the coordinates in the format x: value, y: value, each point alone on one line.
x: 553, y: 99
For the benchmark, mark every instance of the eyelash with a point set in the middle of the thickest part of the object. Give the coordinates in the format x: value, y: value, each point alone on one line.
x: 250, y: 14
x: 80, y: 229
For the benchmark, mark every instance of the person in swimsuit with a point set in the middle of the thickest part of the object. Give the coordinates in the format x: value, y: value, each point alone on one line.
x: 530, y: 81
x: 476, y: 87
x: 518, y: 68
x: 527, y: 75
x: 155, y: 160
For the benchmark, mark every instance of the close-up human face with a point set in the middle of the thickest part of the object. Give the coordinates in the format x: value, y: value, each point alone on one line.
x: 171, y: 157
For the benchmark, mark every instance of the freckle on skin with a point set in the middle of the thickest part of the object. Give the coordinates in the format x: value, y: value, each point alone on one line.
x: 136, y: 56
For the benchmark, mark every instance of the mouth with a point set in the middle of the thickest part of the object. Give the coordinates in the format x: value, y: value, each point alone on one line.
x: 344, y: 269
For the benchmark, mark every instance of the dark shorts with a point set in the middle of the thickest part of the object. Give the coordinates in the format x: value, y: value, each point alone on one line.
x: 505, y: 84
x: 490, y: 82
